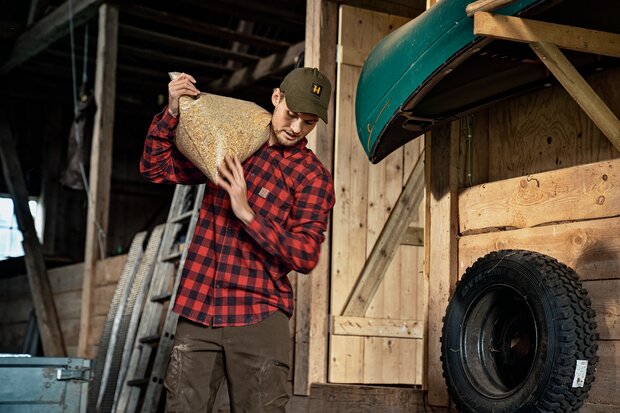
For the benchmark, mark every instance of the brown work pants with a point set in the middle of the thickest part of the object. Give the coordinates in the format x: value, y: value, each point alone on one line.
x: 253, y: 358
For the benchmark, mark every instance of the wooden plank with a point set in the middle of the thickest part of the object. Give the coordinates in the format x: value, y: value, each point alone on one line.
x: 485, y: 5
x: 351, y: 56
x: 592, y: 248
x: 378, y: 327
x: 599, y: 408
x: 162, y: 18
x: 349, y: 230
x: 580, y: 90
x: 365, y: 196
x: 267, y: 66
x: 312, y: 290
x: 443, y: 244
x: 605, y: 296
x: 581, y: 192
x: 527, y: 31
x: 47, y: 318
x: 385, y: 247
x: 404, y: 8
x: 605, y: 388
x: 413, y: 236
x: 414, y: 289
x: 179, y: 43
x: 100, y: 164
x: 48, y: 30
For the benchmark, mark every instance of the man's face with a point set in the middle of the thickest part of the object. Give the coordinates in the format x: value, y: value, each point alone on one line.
x: 289, y: 127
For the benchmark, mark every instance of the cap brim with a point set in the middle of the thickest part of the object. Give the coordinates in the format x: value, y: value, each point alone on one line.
x: 303, y: 105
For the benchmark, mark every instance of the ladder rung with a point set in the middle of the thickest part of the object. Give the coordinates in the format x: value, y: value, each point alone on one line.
x: 182, y: 217
x: 172, y: 256
x: 137, y: 382
x: 150, y: 339
x: 161, y: 298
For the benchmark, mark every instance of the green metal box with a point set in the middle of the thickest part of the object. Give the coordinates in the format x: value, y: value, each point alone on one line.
x: 43, y: 384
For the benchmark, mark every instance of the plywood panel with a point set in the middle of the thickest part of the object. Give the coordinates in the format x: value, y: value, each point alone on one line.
x: 547, y: 130
x: 365, y: 195
x: 580, y: 192
x: 592, y: 248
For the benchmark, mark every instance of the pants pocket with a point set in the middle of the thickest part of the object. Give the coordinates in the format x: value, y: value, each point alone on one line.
x: 273, y: 387
x: 171, y: 381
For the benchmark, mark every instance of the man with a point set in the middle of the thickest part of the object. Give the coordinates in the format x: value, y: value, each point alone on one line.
x: 259, y: 221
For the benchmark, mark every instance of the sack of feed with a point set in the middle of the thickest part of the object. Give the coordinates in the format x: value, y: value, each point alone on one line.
x: 211, y: 126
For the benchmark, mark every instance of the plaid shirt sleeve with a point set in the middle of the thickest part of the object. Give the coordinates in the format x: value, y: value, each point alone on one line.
x: 297, y: 243
x: 161, y: 160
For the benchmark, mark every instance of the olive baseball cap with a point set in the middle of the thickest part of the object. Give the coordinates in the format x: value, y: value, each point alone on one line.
x: 307, y: 91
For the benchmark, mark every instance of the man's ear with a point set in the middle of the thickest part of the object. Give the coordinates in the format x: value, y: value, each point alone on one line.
x: 275, y: 96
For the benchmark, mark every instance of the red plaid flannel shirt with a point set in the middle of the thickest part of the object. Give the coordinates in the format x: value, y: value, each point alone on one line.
x: 236, y: 274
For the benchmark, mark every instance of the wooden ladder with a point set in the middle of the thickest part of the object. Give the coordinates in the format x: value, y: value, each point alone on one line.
x: 143, y: 379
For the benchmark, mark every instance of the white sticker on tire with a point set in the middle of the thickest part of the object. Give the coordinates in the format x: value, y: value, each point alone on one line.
x: 581, y: 368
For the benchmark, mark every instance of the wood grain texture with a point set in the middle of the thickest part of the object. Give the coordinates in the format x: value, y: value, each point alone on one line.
x: 312, y: 304
x: 547, y: 130
x: 592, y: 248
x: 581, y: 192
x: 365, y: 196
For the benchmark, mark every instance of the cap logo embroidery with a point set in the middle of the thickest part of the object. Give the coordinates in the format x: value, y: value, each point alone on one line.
x: 316, y: 89
x: 263, y: 192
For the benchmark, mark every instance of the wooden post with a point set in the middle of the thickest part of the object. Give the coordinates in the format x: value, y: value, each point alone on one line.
x: 100, y: 165
x: 45, y: 308
x: 443, y: 265
x: 312, y: 289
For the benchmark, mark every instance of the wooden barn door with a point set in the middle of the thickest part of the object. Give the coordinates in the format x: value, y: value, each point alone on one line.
x: 384, y: 345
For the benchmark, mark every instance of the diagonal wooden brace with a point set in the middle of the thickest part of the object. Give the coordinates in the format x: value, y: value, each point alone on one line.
x: 385, y: 248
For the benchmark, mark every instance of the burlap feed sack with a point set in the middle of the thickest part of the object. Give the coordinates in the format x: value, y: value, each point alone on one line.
x: 211, y: 126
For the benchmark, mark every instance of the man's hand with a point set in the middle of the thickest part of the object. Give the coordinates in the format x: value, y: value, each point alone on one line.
x: 231, y: 178
x: 183, y: 85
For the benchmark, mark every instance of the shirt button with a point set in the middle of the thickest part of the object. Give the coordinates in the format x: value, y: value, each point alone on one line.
x: 218, y: 285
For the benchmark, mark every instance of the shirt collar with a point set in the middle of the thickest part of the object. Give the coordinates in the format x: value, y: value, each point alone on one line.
x: 287, y: 151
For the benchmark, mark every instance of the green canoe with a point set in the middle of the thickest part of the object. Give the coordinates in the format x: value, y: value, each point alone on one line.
x: 434, y: 68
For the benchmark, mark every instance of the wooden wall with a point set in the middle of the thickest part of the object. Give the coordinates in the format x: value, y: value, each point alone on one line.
x: 66, y: 284
x: 365, y: 196
x: 545, y: 179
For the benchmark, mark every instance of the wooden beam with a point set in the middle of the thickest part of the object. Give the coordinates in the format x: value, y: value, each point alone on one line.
x: 388, y: 241
x: 179, y: 43
x: 47, y: 317
x: 267, y: 66
x: 49, y: 29
x: 312, y: 305
x: 151, y: 55
x: 580, y: 90
x: 404, y: 8
x: 485, y: 5
x: 443, y: 266
x: 527, y: 31
x: 377, y: 327
x: 413, y: 237
x: 100, y: 165
x: 198, y: 26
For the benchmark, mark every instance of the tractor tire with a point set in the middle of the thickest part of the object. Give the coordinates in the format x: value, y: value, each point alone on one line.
x: 519, y: 336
